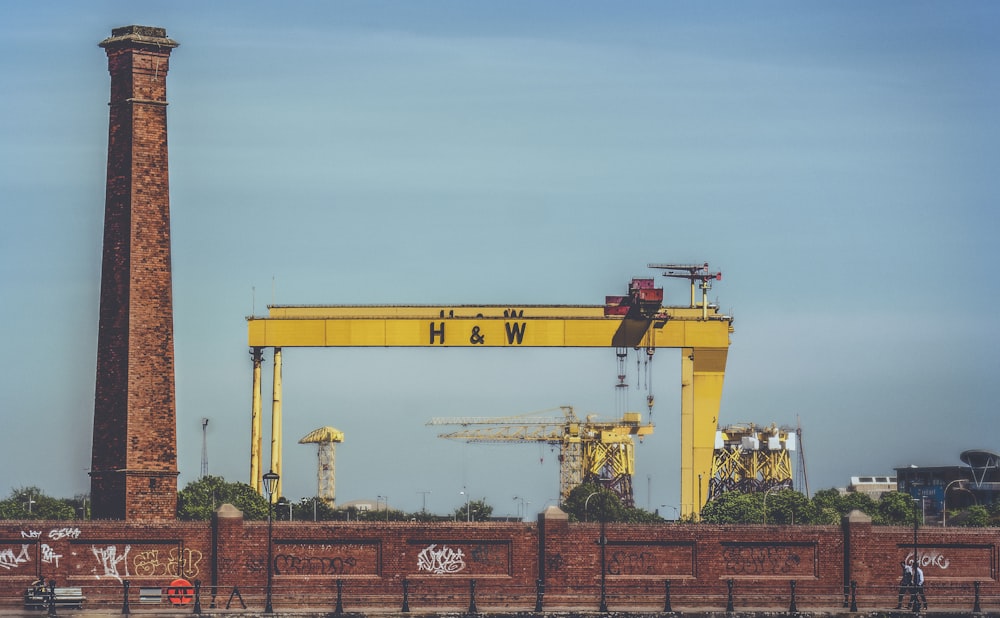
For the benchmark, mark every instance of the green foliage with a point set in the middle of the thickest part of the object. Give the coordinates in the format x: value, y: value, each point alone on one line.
x: 592, y: 502
x: 791, y: 507
x: 977, y: 516
x: 313, y: 509
x: 31, y: 503
x: 894, y: 508
x: 733, y: 508
x: 474, y: 510
x: 201, y: 498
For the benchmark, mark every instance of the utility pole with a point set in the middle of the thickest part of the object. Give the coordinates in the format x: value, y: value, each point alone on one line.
x: 204, y: 447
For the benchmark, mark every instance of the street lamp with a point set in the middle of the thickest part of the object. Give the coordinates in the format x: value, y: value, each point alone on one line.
x: 523, y: 511
x: 944, y: 507
x: 270, y: 482
x: 468, y: 511
x: 586, y: 502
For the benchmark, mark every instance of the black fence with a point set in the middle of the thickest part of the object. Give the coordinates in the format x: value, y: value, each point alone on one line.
x: 492, y: 595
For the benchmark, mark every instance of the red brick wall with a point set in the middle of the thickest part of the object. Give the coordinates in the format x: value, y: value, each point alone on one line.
x: 373, y: 559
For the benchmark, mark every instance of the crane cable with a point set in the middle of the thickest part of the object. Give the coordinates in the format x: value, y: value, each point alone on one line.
x: 649, y: 382
x: 621, y: 388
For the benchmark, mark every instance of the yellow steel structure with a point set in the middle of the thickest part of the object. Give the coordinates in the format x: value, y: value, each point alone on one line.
x: 749, y: 458
x: 325, y: 438
x: 700, y: 332
x: 590, y: 450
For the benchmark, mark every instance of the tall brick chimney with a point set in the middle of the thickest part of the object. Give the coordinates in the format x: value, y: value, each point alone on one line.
x: 133, y: 473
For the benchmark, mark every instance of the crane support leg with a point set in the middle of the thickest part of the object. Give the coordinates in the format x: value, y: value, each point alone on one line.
x: 702, y: 374
x: 276, y: 424
x: 256, y: 423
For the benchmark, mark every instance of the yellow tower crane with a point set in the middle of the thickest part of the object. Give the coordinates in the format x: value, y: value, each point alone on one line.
x: 325, y: 437
x: 590, y: 450
x: 637, y: 320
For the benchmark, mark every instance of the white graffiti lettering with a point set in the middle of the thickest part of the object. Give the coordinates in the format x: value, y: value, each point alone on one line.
x: 108, y: 559
x: 64, y: 533
x: 9, y: 561
x: 929, y: 558
x: 438, y: 561
x: 49, y: 555
x: 31, y: 534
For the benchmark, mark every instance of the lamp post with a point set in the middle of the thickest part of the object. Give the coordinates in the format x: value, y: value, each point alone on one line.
x: 585, y: 503
x: 944, y: 507
x: 468, y: 509
x: 270, y: 482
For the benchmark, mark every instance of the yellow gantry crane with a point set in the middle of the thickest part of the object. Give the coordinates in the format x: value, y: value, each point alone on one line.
x: 590, y: 450
x: 637, y: 320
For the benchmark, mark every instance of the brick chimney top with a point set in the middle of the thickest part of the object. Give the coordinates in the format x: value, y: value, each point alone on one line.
x: 138, y: 35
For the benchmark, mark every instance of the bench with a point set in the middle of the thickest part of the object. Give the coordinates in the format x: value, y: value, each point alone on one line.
x: 37, y: 597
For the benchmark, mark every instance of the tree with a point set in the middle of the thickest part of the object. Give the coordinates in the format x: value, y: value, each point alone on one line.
x: 785, y: 506
x: 976, y: 516
x: 32, y: 503
x: 592, y: 502
x: 309, y: 509
x: 201, y: 498
x: 474, y: 510
x: 894, y: 508
x: 733, y: 508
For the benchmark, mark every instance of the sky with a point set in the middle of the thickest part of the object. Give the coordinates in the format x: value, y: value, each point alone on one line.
x: 836, y: 161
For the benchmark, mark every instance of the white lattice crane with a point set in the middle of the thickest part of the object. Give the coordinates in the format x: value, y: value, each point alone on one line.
x: 590, y: 450
x: 325, y: 438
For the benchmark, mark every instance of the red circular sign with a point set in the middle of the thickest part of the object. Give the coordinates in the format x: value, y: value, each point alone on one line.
x: 180, y: 592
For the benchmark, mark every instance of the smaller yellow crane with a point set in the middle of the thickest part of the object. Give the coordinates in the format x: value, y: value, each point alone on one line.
x: 325, y: 437
x: 590, y: 450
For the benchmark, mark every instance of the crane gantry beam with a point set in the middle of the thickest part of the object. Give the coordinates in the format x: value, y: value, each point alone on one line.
x: 637, y: 320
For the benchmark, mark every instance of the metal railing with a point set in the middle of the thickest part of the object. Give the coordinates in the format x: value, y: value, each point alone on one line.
x: 498, y: 595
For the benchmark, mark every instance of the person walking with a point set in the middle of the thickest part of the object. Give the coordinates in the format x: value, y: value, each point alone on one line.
x: 917, y: 589
x: 904, y: 584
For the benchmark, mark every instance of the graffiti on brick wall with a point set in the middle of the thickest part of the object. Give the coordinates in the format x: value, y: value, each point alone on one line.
x: 553, y: 562
x: 175, y: 563
x: 109, y: 560
x: 761, y: 560
x: 9, y: 560
x: 489, y: 555
x: 631, y: 563
x: 441, y: 560
x: 285, y: 564
x: 55, y: 534
x: 49, y: 555
x: 929, y: 558
x: 319, y: 558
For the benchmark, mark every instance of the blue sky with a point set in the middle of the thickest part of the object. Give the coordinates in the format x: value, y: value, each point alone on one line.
x: 836, y: 161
